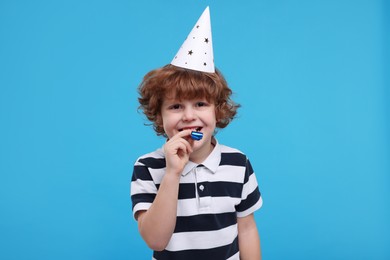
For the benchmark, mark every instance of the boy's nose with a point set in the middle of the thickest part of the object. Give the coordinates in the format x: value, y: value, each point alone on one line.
x: 188, y: 114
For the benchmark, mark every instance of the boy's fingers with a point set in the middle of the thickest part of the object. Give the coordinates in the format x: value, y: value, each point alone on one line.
x: 184, y: 133
x: 181, y: 138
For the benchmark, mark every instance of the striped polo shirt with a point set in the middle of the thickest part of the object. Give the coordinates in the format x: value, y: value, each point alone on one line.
x: 211, y: 197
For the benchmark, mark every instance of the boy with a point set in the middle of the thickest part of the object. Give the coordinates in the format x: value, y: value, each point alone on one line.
x: 194, y: 198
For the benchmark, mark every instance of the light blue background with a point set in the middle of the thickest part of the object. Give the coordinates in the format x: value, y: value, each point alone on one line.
x: 313, y: 81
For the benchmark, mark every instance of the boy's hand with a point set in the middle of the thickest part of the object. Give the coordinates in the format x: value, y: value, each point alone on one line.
x: 177, y: 151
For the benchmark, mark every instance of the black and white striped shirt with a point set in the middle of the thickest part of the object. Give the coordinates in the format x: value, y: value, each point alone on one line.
x: 211, y: 197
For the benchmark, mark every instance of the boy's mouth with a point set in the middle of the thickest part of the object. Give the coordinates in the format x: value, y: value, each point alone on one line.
x: 197, y: 129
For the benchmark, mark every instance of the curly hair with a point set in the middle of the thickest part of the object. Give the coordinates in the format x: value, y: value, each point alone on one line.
x: 182, y: 84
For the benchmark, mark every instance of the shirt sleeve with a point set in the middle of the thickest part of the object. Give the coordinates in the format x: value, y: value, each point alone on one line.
x: 142, y: 188
x: 251, y: 199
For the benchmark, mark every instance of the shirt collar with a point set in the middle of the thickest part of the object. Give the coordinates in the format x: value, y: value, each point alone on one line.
x: 211, y: 162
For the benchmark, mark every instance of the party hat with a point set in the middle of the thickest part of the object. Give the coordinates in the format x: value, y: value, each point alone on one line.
x: 196, y: 53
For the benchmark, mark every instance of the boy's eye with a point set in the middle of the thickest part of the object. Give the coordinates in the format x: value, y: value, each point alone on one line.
x: 175, y: 106
x: 201, y: 104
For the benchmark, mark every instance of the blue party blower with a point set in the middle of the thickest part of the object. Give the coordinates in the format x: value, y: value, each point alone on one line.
x: 196, y: 135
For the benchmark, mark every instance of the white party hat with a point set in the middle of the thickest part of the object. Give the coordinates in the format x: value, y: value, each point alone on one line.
x: 196, y: 53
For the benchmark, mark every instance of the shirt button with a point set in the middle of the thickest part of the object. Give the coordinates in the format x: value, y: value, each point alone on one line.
x: 201, y: 187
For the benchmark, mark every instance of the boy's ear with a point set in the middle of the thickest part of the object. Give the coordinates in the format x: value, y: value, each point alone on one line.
x: 217, y: 114
x: 159, y: 122
x: 159, y: 119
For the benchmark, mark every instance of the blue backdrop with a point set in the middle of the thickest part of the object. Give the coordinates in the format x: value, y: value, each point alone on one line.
x: 313, y: 81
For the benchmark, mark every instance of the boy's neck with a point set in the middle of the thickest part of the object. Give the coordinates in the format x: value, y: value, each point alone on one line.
x: 201, y: 155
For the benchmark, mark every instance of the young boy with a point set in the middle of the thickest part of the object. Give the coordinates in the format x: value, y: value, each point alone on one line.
x: 194, y: 198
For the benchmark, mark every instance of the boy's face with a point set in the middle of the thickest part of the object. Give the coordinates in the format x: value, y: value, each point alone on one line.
x: 194, y: 114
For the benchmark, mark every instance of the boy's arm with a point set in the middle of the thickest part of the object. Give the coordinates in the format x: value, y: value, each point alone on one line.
x: 157, y: 224
x: 248, y: 238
